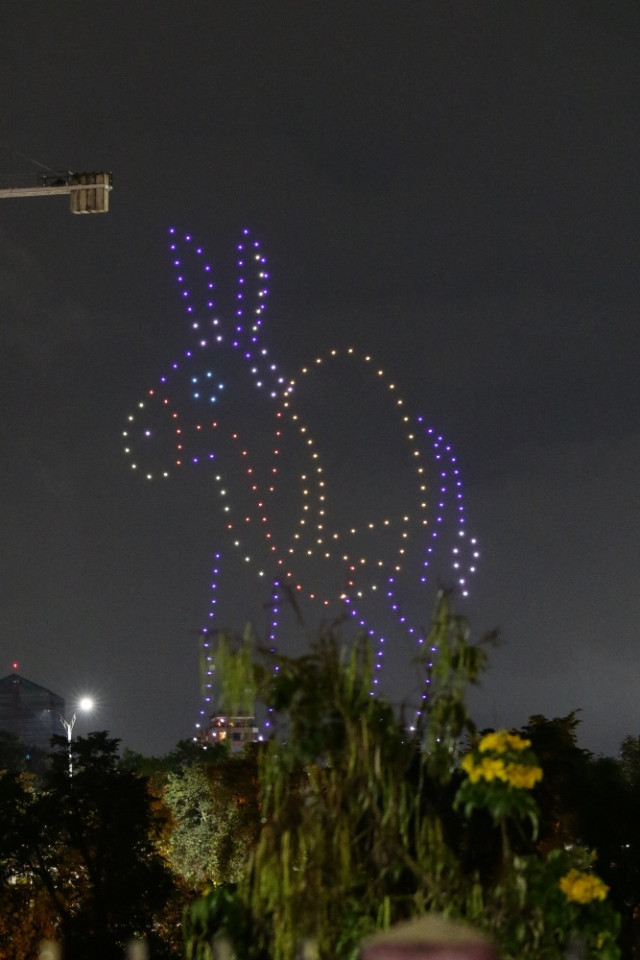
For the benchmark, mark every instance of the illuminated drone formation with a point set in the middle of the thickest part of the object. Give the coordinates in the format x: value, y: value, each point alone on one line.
x: 306, y: 521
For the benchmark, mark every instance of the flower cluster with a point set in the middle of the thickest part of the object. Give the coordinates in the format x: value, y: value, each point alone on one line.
x: 517, y: 775
x: 502, y: 740
x: 581, y: 887
x: 505, y: 757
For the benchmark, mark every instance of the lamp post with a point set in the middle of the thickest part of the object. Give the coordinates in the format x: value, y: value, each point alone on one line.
x: 85, y: 704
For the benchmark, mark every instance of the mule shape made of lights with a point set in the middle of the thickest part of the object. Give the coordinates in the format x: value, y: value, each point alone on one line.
x: 336, y: 501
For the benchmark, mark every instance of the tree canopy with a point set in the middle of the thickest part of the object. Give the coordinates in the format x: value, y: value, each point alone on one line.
x: 85, y: 845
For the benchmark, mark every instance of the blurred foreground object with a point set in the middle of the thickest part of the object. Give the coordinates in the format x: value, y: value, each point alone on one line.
x: 49, y: 951
x: 432, y: 938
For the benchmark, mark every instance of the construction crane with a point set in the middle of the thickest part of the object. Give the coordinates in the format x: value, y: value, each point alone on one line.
x: 88, y: 192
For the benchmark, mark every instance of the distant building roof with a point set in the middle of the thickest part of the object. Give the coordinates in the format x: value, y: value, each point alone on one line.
x: 8, y: 684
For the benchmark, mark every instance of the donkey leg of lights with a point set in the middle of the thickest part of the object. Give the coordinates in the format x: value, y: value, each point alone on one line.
x: 226, y: 403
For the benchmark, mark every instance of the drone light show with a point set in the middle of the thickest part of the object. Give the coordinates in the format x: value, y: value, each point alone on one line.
x: 335, y: 503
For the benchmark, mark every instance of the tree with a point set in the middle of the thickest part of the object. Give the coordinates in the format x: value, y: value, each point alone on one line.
x: 25, y: 914
x: 630, y: 760
x: 207, y: 798
x: 563, y: 789
x: 185, y: 754
x: 214, y: 818
x: 14, y: 755
x: 87, y: 843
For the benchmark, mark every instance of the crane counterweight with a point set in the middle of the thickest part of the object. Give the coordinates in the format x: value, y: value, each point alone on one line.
x: 88, y: 192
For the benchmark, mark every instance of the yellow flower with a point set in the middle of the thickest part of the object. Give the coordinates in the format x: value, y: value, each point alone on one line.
x: 581, y: 887
x: 467, y: 763
x: 502, y: 740
x: 487, y: 769
x: 522, y: 777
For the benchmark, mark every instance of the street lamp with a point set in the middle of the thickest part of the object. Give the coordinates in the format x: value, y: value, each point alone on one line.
x: 86, y: 705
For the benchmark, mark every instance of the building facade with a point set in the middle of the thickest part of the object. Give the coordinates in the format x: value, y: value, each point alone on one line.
x: 30, y: 711
x: 236, y: 730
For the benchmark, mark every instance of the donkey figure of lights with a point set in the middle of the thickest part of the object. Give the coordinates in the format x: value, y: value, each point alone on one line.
x: 312, y: 512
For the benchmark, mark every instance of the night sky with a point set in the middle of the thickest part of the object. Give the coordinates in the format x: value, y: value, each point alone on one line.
x: 451, y: 186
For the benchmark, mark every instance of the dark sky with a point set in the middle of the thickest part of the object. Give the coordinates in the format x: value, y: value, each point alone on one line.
x: 451, y: 186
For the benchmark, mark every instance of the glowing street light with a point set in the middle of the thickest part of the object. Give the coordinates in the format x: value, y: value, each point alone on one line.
x: 86, y: 705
